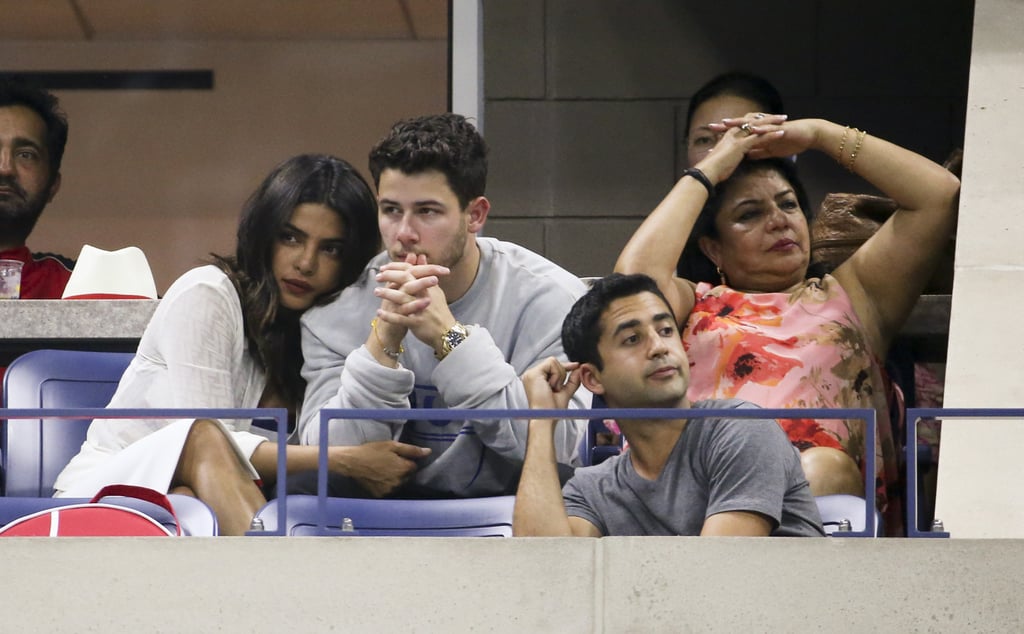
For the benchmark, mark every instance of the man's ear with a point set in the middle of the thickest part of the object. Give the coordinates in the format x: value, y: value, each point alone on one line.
x: 711, y: 248
x: 477, y: 209
x: 590, y: 378
x: 54, y: 187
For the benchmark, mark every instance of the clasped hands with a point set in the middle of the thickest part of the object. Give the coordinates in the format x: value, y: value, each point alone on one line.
x: 756, y: 135
x: 412, y: 301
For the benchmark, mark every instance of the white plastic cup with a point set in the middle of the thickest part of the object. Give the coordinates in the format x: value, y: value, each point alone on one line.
x: 10, y: 279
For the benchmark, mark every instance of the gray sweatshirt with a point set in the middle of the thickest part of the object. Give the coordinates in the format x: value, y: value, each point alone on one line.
x: 514, y: 312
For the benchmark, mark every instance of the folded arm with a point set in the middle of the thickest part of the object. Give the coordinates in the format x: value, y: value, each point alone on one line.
x: 475, y: 375
x: 357, y: 381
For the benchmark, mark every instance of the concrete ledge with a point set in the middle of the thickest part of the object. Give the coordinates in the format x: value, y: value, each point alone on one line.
x: 82, y: 319
x: 525, y: 585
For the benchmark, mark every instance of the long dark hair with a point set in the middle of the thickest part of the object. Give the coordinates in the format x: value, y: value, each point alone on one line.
x: 272, y: 332
x: 693, y: 265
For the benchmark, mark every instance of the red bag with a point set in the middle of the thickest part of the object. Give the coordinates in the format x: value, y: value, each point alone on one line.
x: 94, y: 519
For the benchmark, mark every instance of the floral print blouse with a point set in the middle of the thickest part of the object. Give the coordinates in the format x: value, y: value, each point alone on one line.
x: 802, y: 349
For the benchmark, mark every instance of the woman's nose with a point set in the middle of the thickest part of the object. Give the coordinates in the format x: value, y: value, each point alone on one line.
x: 777, y: 218
x: 306, y: 261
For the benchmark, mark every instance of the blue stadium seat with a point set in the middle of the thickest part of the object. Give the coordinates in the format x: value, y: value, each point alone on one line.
x: 593, y: 453
x: 469, y: 517
x: 35, y: 451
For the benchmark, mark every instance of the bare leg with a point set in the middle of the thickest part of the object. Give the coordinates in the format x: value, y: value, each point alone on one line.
x: 209, y: 467
x: 831, y: 471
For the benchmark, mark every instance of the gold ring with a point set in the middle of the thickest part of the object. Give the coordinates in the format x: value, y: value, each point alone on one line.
x: 759, y: 115
x: 746, y: 128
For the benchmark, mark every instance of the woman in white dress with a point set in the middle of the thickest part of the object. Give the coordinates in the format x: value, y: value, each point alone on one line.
x: 226, y: 335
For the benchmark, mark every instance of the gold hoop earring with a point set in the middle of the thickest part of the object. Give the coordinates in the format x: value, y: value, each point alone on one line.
x: 722, y: 276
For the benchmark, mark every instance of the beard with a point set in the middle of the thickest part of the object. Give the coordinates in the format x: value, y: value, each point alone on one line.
x: 451, y: 252
x: 19, y: 211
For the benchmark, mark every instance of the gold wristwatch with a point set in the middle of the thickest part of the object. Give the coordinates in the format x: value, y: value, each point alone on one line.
x: 451, y: 338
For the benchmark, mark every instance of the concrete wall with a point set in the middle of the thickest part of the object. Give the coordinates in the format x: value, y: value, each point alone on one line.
x: 981, y: 459
x: 586, y: 101
x: 648, y: 585
x: 168, y: 171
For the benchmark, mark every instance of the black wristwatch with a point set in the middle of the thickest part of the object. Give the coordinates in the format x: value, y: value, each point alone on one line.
x: 451, y: 338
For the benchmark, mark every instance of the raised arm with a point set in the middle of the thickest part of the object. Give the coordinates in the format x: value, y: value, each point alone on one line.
x: 539, y: 511
x: 656, y: 246
x: 885, y: 276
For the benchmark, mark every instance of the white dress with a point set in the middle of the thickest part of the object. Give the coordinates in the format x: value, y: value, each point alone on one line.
x: 192, y: 354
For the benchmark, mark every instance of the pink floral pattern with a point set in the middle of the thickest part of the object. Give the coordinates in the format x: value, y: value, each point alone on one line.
x: 803, y: 349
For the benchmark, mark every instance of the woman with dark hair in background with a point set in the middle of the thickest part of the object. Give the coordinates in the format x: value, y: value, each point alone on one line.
x: 725, y: 96
x: 767, y: 330
x: 226, y: 335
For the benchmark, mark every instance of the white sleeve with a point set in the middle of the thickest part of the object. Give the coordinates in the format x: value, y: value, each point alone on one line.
x: 200, y: 338
x: 202, y: 341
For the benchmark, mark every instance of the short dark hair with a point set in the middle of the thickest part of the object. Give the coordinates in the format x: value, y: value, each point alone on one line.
x: 17, y: 92
x: 737, y: 84
x: 447, y: 143
x: 581, y: 329
x: 693, y: 264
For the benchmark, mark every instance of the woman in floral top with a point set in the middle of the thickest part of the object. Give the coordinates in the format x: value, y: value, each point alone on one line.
x: 773, y: 333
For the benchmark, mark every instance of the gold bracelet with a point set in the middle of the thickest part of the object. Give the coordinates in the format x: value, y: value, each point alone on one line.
x: 394, y: 355
x: 842, y: 144
x: 853, y: 156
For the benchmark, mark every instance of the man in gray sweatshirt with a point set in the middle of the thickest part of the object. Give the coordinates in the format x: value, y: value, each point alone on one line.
x: 442, y: 318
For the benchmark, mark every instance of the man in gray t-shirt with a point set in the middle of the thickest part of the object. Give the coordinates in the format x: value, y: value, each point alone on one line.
x: 689, y: 476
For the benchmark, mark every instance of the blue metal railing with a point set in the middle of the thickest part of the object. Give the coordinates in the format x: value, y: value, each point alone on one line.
x: 867, y: 415
x: 914, y: 415
x: 279, y: 415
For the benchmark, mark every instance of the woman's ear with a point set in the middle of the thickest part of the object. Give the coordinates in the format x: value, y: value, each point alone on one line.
x: 711, y: 248
x: 590, y: 378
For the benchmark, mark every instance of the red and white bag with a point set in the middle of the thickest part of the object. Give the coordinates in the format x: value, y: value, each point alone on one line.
x: 95, y: 519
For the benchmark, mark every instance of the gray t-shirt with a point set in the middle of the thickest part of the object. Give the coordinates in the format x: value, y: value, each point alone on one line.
x: 717, y: 465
